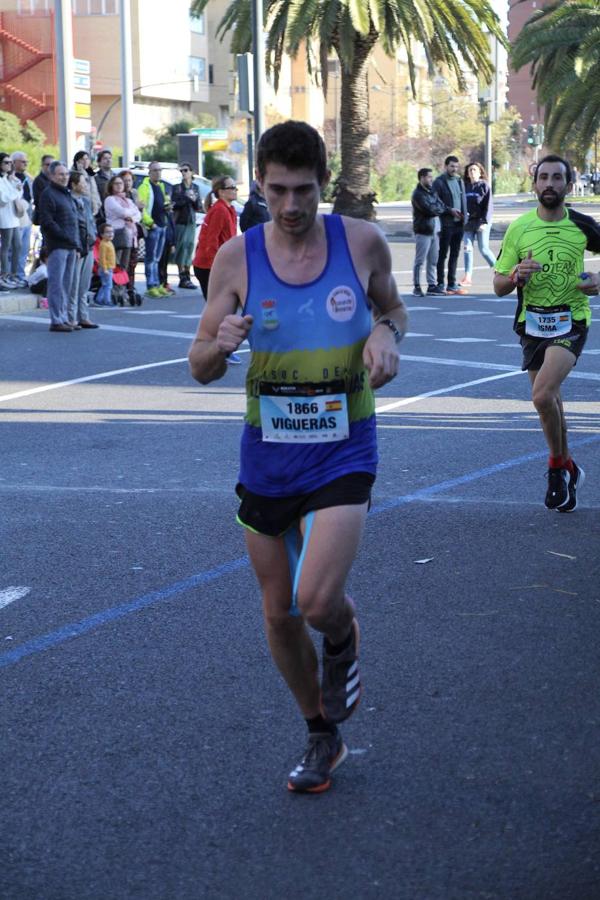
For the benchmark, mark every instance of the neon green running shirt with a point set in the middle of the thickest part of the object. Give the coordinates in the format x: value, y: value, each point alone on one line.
x: 559, y: 248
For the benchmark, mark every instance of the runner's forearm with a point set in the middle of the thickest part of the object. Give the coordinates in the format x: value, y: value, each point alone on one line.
x: 207, y: 362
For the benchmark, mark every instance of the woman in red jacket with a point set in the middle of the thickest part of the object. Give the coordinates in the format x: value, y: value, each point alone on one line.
x: 220, y: 224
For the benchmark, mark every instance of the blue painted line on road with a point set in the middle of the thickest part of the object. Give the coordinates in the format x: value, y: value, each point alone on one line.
x: 75, y: 629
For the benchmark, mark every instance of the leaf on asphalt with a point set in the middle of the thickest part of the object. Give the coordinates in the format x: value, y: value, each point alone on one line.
x: 423, y: 561
x: 564, y: 555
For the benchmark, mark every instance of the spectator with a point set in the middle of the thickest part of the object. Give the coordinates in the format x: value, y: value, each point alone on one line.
x: 20, y: 171
x: 82, y: 163
x: 168, y: 249
x: 480, y: 207
x: 219, y: 225
x: 131, y: 193
x: 255, y: 210
x: 123, y: 214
x: 38, y: 278
x: 153, y: 195
x: 77, y: 307
x: 40, y: 183
x: 60, y: 231
x: 450, y: 188
x: 11, y: 208
x: 186, y: 203
x: 107, y: 260
x: 427, y: 207
x: 104, y: 173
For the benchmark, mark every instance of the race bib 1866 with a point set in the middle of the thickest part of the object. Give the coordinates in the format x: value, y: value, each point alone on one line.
x: 308, y: 413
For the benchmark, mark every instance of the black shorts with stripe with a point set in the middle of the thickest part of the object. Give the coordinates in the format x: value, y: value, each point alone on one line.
x: 273, y: 516
x: 534, y: 348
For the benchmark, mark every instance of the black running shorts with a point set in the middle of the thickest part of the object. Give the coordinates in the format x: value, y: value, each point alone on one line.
x: 534, y: 348
x: 274, y: 515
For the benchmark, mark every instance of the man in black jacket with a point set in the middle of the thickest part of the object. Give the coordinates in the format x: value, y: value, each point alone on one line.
x: 60, y: 230
x: 255, y: 210
x: 40, y: 183
x: 451, y: 189
x: 426, y: 206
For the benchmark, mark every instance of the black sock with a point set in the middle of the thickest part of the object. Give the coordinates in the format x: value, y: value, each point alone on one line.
x: 320, y: 725
x: 334, y: 649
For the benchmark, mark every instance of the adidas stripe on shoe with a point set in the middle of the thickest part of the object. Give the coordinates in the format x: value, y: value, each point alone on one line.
x: 340, y: 685
x: 324, y: 753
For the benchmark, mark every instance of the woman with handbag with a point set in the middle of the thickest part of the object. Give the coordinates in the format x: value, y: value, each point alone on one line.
x: 12, y: 208
x: 123, y: 215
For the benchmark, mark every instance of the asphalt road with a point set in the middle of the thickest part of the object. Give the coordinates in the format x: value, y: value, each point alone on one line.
x: 145, y: 737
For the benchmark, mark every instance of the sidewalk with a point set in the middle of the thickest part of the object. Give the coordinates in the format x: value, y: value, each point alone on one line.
x: 17, y: 301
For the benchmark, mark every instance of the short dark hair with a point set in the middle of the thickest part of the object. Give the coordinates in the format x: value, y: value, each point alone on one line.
x: 46, y: 157
x: 102, y: 227
x: 553, y: 157
x: 295, y: 145
x: 450, y: 159
x: 111, y: 184
x: 102, y: 153
x: 423, y: 172
x: 74, y: 178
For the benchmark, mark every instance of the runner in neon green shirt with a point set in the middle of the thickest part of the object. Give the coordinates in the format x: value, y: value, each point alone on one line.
x: 542, y: 256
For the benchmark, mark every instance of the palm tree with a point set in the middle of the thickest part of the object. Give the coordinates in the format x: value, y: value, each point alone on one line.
x: 561, y: 42
x: 452, y: 33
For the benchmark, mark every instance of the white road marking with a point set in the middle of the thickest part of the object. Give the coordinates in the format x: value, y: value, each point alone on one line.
x: 99, y: 376
x: 453, y: 387
x: 12, y: 593
x: 468, y: 312
x: 467, y: 340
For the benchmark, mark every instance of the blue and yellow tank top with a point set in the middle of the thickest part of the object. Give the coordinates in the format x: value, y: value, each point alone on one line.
x: 310, y: 413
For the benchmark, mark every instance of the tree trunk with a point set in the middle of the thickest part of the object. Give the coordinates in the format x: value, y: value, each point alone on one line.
x: 353, y: 194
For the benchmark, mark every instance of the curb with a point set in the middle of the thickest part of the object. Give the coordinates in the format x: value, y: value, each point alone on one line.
x: 17, y: 303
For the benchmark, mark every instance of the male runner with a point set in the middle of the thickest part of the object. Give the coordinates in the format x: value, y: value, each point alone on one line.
x: 542, y: 256
x: 302, y: 289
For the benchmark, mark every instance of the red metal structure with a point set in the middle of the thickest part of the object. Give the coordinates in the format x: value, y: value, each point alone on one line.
x: 27, y: 70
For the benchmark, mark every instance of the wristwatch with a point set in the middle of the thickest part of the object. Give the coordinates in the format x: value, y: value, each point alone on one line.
x: 393, y: 328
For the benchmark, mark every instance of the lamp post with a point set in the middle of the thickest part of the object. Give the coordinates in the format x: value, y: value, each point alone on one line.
x: 142, y: 87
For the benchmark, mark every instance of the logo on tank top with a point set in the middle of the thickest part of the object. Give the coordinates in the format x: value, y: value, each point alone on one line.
x: 269, y: 314
x: 341, y: 303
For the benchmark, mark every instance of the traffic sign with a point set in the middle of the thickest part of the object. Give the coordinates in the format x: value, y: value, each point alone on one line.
x: 210, y: 134
x: 81, y: 66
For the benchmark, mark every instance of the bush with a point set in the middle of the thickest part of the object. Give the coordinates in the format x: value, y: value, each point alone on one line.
x: 511, y: 182
x: 397, y: 183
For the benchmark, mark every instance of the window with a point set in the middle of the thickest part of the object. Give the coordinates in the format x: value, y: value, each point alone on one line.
x: 33, y: 7
x: 197, y: 24
x: 197, y: 68
x: 95, y: 7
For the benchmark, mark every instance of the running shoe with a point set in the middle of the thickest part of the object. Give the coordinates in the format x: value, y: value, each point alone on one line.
x: 162, y: 291
x: 324, y: 753
x: 437, y: 289
x: 557, y: 494
x: 234, y: 360
x: 340, y: 685
x: 418, y: 291
x: 153, y: 292
x: 575, y: 483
